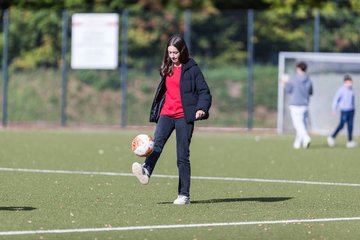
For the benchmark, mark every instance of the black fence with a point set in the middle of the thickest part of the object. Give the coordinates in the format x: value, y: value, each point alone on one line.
x: 236, y: 50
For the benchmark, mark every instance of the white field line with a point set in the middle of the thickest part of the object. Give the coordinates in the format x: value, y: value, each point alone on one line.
x: 199, y: 225
x: 175, y: 177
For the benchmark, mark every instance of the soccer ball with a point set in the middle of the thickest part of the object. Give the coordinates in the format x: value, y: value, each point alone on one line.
x: 142, y: 145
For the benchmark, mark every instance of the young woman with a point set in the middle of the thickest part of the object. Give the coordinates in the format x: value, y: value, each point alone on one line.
x: 182, y: 98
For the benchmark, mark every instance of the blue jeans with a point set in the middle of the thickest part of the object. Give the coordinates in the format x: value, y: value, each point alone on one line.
x: 348, y: 118
x: 184, y: 131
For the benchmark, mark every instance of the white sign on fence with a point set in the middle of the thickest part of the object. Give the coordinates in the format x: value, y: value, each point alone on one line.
x: 94, y: 41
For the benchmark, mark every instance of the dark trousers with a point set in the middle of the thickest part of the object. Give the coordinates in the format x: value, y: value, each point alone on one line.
x: 348, y: 118
x: 184, y: 131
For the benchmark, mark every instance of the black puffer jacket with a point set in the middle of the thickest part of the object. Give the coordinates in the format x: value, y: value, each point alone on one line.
x: 194, y: 91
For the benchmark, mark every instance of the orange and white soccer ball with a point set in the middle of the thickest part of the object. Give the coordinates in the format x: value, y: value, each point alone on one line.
x: 142, y: 145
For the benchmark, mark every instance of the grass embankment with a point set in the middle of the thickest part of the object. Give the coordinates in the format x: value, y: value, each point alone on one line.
x: 94, y: 96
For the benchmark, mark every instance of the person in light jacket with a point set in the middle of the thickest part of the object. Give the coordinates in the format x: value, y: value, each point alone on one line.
x: 182, y: 97
x: 344, y: 100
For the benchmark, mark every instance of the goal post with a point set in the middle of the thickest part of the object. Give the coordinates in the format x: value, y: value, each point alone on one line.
x: 326, y: 70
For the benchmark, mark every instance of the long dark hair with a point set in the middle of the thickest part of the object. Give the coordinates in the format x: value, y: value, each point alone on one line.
x: 167, y: 66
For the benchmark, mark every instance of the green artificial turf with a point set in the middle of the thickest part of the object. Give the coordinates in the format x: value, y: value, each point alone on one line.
x: 47, y: 201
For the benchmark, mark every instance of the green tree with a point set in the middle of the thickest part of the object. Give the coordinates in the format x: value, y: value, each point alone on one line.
x: 217, y: 34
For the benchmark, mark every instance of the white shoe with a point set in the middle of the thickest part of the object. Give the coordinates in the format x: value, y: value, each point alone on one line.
x: 306, y: 143
x: 331, y: 141
x: 141, y: 173
x: 296, y: 145
x: 182, y: 200
x: 351, y: 144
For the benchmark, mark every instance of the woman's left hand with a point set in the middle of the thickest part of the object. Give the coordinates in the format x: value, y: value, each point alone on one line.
x: 199, y: 114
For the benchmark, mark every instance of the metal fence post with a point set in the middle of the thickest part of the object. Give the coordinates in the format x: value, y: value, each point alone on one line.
x: 250, y: 60
x: 5, y: 68
x: 64, y: 67
x: 187, y: 32
x: 317, y: 31
x: 123, y: 67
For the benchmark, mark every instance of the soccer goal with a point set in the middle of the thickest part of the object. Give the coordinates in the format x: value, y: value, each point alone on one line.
x: 326, y: 70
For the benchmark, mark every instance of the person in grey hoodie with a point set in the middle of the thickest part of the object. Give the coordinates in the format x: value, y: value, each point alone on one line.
x: 299, y: 87
x: 344, y: 100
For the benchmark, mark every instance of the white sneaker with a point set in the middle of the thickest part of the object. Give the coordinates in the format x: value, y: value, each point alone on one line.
x: 351, y: 144
x: 331, y: 141
x: 141, y: 173
x: 296, y: 145
x: 306, y: 143
x: 182, y: 200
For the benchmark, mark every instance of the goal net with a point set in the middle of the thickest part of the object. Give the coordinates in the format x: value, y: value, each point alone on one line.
x: 326, y: 70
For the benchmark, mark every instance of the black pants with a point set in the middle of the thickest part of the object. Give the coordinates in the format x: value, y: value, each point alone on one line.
x: 348, y: 118
x: 184, y: 131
